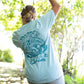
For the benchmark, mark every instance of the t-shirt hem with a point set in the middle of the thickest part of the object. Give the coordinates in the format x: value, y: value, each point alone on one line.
x: 48, y: 81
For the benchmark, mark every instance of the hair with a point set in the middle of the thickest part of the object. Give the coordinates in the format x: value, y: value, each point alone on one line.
x: 28, y: 13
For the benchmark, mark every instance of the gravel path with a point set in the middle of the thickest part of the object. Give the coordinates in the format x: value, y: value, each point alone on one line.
x: 11, y: 74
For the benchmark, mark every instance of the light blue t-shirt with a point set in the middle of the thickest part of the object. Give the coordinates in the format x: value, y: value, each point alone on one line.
x: 42, y: 65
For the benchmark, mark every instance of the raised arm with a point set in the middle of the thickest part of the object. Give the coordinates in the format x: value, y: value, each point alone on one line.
x: 55, y: 6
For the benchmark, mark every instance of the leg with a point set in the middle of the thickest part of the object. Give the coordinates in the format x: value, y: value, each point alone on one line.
x: 58, y: 81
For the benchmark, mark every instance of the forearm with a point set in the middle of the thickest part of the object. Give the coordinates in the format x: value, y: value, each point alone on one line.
x: 54, y: 3
x: 55, y: 6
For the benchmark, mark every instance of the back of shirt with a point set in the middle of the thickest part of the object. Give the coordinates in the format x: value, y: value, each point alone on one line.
x: 34, y: 39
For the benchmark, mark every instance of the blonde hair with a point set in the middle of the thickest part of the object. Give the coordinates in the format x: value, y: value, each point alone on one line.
x: 28, y: 13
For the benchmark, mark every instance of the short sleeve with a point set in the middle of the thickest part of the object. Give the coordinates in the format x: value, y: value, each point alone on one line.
x: 47, y: 20
x: 16, y: 40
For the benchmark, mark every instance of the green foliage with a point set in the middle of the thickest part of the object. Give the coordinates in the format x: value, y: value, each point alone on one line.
x: 79, y: 5
x: 73, y: 80
x: 6, y: 56
x: 9, y: 16
x: 68, y: 80
x: 69, y: 69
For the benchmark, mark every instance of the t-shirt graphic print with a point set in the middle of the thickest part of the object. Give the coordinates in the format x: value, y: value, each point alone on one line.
x: 34, y: 47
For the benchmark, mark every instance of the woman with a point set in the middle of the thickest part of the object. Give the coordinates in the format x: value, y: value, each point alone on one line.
x: 42, y: 65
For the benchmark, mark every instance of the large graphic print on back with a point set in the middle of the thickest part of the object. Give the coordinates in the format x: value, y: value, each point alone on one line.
x: 34, y: 47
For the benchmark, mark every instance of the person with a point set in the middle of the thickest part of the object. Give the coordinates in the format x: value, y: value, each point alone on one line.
x: 42, y: 65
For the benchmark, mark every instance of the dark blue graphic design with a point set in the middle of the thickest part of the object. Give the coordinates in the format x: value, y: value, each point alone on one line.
x: 34, y: 47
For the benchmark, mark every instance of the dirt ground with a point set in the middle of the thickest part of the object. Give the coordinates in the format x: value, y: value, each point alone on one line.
x: 11, y: 73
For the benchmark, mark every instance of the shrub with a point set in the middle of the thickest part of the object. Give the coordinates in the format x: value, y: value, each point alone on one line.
x: 73, y: 80
x: 6, y: 56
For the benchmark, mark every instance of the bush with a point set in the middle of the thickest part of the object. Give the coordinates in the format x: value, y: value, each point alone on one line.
x: 73, y: 80
x: 68, y: 80
x: 6, y: 56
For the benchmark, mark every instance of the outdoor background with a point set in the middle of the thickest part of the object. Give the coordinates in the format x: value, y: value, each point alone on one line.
x: 67, y: 36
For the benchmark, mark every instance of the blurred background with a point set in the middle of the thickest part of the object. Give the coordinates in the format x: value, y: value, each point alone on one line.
x: 67, y: 36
